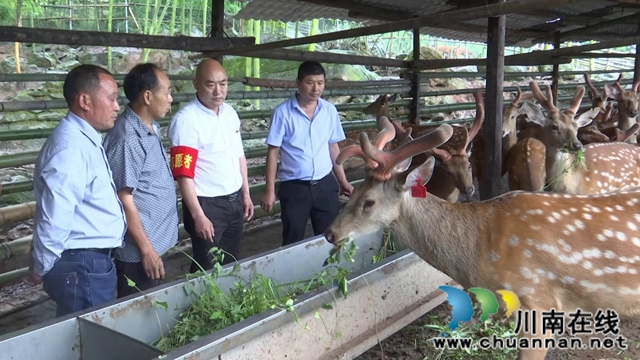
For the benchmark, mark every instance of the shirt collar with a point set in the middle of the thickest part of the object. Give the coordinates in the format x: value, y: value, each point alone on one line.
x: 296, y: 104
x: 94, y: 135
x: 140, y: 127
x: 207, y: 110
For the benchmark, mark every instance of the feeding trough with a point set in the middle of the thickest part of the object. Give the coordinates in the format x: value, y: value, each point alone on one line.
x: 381, y: 298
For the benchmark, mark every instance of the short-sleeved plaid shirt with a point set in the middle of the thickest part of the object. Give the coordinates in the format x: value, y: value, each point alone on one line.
x: 139, y: 161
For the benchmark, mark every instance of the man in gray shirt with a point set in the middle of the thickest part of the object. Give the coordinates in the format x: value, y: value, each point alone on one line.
x: 79, y: 220
x: 143, y: 178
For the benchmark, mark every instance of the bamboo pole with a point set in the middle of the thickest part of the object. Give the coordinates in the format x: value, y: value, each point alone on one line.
x: 454, y: 16
x: 15, y: 213
x: 269, y: 94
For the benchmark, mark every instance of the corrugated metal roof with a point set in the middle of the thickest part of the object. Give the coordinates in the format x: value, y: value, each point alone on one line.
x: 577, y: 14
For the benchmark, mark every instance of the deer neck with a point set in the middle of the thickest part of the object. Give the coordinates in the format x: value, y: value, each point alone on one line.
x: 445, y: 235
x: 562, y: 176
x: 442, y: 186
x: 508, y: 141
x: 625, y: 122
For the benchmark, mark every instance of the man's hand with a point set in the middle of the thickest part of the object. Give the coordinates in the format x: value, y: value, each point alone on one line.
x: 152, y: 264
x: 347, y: 189
x: 268, y: 199
x: 248, y: 207
x: 204, y: 227
x: 32, y: 279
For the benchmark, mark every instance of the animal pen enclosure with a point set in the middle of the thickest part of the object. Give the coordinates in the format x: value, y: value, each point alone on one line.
x: 499, y: 24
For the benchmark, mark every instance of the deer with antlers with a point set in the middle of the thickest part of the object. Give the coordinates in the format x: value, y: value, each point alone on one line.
x: 552, y: 250
x: 627, y: 106
x: 453, y: 173
x: 607, y: 167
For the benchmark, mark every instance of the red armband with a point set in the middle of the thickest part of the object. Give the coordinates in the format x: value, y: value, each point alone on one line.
x: 183, y: 161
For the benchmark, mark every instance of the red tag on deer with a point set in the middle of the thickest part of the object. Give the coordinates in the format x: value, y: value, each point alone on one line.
x: 418, y: 190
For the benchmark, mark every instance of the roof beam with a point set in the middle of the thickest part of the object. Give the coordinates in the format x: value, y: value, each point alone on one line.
x: 470, y: 28
x: 368, y: 10
x: 577, y: 50
x: 478, y: 12
x: 588, y: 29
x: 98, y: 38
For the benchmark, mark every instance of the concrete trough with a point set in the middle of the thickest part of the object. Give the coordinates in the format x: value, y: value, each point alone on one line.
x: 382, y: 298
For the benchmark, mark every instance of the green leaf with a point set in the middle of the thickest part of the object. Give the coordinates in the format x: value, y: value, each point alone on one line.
x: 289, y: 302
x: 131, y: 283
x: 327, y: 306
x: 162, y: 304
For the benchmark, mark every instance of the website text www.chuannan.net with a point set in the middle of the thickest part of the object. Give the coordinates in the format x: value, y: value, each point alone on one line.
x: 495, y: 342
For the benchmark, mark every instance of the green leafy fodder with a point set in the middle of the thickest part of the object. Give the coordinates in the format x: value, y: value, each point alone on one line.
x: 214, y: 310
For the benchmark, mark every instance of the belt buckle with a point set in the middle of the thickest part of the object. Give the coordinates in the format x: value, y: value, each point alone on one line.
x: 233, y: 197
x: 313, y: 182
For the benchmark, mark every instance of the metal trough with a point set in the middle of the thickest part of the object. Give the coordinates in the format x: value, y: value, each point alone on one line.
x: 382, y: 298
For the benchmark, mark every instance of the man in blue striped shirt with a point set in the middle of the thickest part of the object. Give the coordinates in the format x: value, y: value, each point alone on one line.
x: 79, y: 220
x: 305, y: 131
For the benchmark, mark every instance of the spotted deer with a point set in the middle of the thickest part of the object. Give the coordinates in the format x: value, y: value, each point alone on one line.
x: 453, y: 174
x: 607, y: 167
x: 552, y: 250
x: 627, y: 106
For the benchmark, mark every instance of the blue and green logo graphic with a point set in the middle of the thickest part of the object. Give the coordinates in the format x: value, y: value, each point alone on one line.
x: 463, y: 307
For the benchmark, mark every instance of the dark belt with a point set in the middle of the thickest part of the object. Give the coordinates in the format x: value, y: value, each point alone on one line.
x: 230, y: 197
x: 310, y: 182
x: 103, y: 251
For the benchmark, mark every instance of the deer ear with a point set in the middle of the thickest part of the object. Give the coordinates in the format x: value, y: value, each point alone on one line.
x: 534, y: 113
x: 422, y: 172
x: 610, y: 91
x: 393, y: 98
x: 403, y: 165
x: 586, y: 117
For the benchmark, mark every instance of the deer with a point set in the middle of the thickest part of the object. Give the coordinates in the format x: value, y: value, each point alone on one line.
x: 453, y: 174
x: 611, y: 166
x: 627, y: 106
x: 509, y: 136
x: 552, y: 250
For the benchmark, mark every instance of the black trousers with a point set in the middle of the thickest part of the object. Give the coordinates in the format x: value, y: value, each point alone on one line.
x: 227, y: 215
x: 135, y: 272
x: 301, y: 200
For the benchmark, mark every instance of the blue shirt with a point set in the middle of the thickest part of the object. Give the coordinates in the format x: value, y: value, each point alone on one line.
x: 304, y: 142
x: 139, y: 161
x: 76, y: 202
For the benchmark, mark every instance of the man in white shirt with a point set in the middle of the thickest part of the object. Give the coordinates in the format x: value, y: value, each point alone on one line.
x: 207, y: 160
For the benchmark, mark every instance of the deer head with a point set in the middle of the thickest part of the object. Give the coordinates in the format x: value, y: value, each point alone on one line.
x: 559, y: 128
x: 511, y: 113
x: 380, y: 107
x: 594, y: 94
x: 376, y: 203
x: 627, y: 99
x: 591, y: 134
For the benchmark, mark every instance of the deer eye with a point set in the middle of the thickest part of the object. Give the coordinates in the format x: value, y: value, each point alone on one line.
x: 554, y: 127
x: 367, y: 204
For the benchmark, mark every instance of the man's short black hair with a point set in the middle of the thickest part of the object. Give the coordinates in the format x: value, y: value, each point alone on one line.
x: 84, y: 77
x: 310, y: 68
x: 141, y: 78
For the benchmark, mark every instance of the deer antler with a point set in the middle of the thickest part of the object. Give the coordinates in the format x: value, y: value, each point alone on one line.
x: 617, y: 84
x: 577, y: 100
x: 546, y: 102
x: 518, y: 97
x: 593, y: 92
x: 386, y: 134
x: 401, y: 132
x: 473, y: 131
x: 388, y: 160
